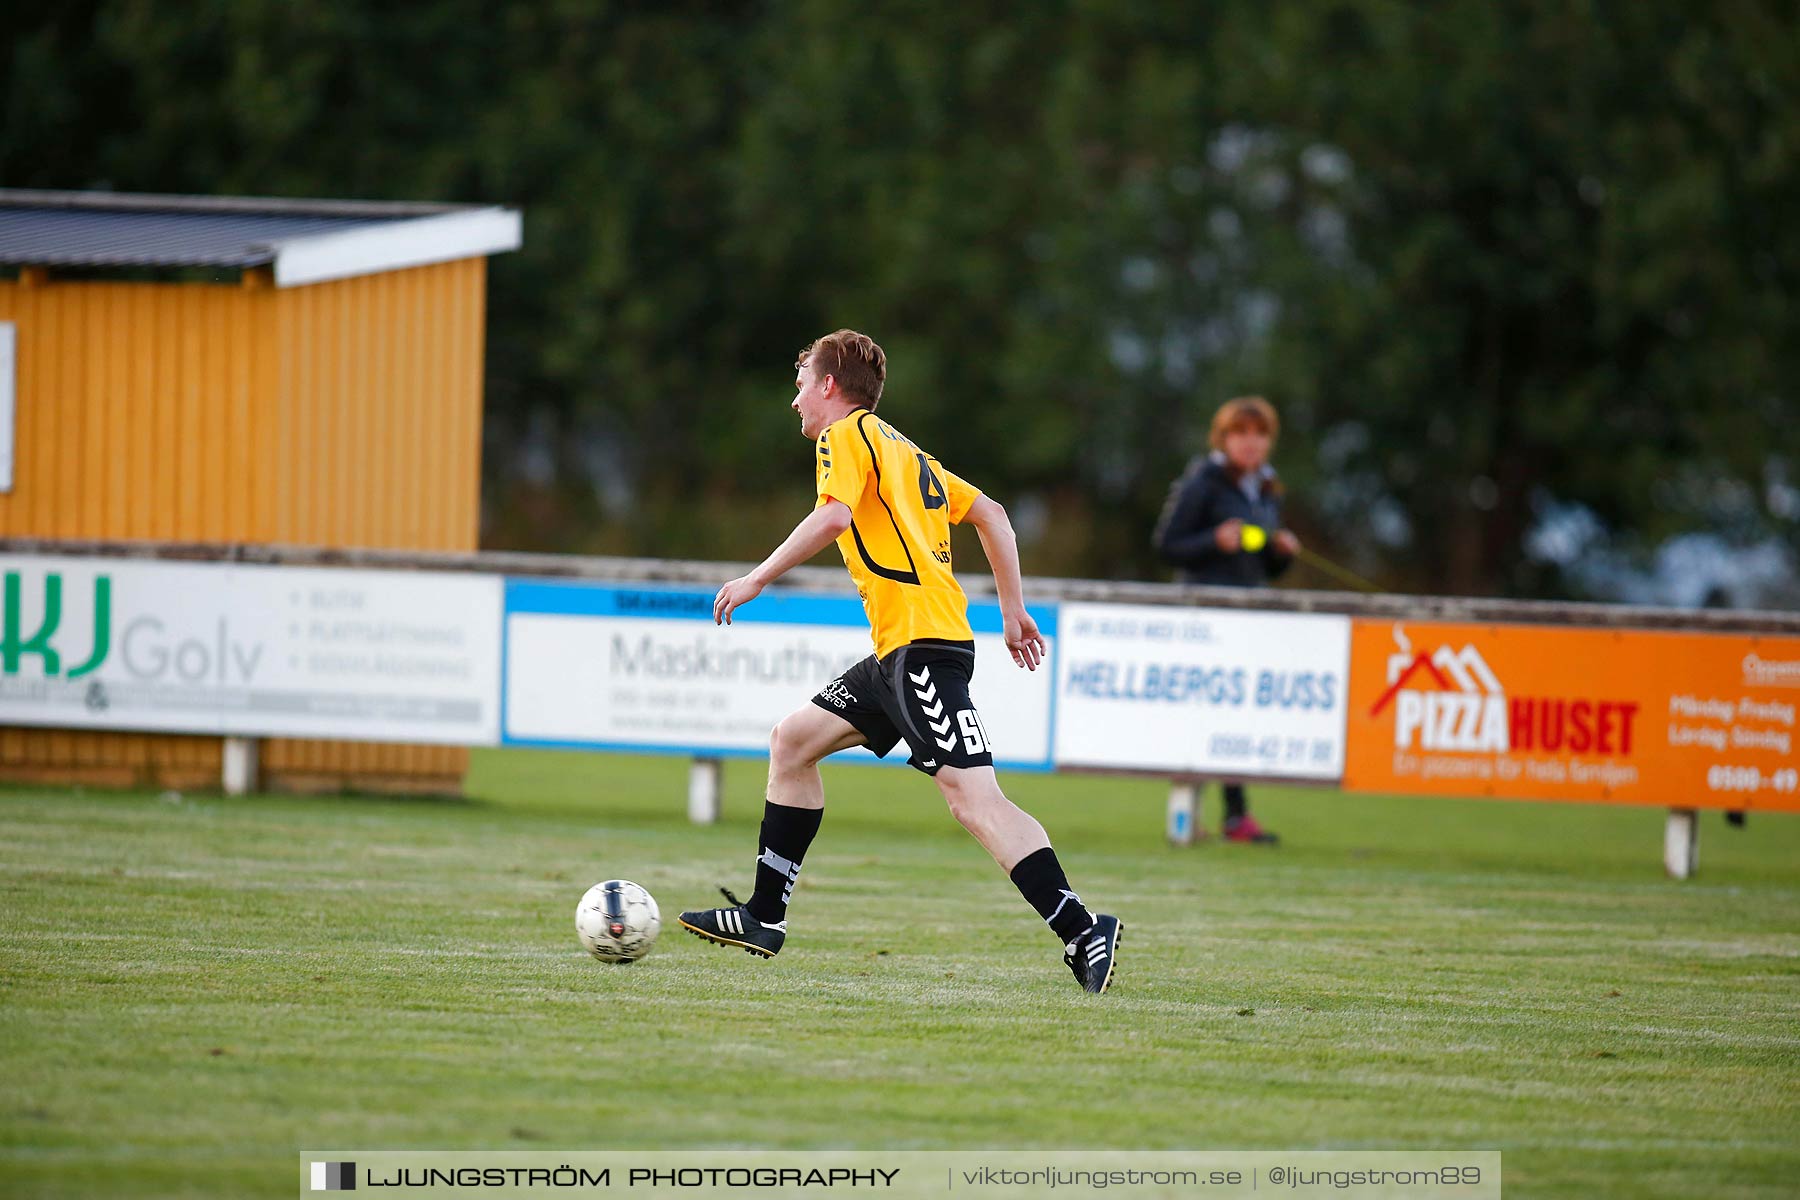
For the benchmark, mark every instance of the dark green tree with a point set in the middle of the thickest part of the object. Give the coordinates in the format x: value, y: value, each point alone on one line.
x: 1488, y: 259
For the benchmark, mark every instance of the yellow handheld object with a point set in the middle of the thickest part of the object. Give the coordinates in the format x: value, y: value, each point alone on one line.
x: 1252, y: 538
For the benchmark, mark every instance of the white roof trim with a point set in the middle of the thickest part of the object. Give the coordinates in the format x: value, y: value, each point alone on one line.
x: 394, y: 245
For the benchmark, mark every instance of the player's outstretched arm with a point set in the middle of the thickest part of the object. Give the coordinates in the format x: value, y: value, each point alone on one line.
x: 821, y: 527
x: 1000, y: 545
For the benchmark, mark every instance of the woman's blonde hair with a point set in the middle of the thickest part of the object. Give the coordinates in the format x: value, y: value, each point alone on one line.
x: 1244, y: 412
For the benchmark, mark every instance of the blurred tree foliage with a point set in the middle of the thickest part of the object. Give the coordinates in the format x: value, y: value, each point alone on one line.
x: 1486, y: 258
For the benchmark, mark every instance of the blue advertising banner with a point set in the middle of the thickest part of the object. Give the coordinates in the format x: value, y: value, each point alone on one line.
x: 605, y: 667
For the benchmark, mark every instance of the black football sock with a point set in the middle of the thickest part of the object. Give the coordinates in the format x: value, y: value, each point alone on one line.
x: 1234, y: 801
x: 786, y: 833
x: 1040, y: 879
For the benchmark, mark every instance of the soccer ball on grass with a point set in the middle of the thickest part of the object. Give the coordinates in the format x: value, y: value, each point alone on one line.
x: 617, y: 921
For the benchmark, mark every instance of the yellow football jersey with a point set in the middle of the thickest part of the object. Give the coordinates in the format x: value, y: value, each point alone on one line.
x: 902, y: 504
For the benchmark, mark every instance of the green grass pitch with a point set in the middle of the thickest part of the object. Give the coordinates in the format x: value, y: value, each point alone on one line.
x: 194, y: 988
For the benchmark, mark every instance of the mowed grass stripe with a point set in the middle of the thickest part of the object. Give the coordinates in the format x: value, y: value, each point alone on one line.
x: 195, y: 988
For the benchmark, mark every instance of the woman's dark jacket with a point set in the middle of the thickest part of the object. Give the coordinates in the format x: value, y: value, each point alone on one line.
x: 1204, y: 498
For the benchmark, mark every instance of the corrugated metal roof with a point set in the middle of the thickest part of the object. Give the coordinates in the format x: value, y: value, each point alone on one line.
x: 249, y: 205
x: 62, y: 237
x: 109, y: 229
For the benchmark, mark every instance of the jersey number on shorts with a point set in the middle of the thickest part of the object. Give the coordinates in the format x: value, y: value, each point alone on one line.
x: 975, y: 736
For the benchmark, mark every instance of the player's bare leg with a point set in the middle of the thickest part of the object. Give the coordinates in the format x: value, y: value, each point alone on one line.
x: 1005, y: 830
x: 1020, y: 846
x: 804, y: 739
x: 795, y: 803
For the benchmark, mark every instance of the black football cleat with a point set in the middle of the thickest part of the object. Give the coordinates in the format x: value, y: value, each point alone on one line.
x: 1093, y: 955
x: 735, y: 926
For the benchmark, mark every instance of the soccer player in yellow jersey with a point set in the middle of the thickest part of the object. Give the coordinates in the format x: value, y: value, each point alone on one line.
x: 889, y: 506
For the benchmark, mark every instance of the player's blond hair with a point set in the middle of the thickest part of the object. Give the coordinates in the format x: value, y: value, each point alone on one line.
x: 1244, y: 412
x: 851, y: 358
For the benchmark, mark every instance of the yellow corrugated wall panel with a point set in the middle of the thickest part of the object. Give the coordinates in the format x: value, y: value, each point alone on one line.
x: 379, y: 393
x: 335, y: 424
x: 339, y: 414
x: 378, y: 401
x: 110, y: 759
x: 129, y: 421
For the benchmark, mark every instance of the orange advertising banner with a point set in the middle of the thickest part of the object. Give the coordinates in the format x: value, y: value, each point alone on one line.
x: 1675, y: 720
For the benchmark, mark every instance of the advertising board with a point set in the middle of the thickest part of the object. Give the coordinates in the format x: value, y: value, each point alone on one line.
x: 592, y: 666
x: 1194, y: 691
x: 217, y: 648
x: 1689, y: 720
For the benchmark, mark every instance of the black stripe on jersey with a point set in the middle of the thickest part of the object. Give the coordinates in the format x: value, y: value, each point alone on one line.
x: 885, y: 572
x: 898, y: 576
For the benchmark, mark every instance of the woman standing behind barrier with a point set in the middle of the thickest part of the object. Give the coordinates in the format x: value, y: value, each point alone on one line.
x: 1222, y: 525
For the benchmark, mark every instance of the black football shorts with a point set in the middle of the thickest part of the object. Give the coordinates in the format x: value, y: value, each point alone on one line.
x: 919, y: 692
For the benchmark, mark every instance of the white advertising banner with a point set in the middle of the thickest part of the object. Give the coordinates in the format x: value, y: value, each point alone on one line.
x: 250, y: 650
x: 591, y: 666
x: 1201, y: 691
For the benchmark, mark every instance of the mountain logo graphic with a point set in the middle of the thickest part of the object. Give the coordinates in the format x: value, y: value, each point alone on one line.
x: 1466, y: 711
x: 1449, y: 699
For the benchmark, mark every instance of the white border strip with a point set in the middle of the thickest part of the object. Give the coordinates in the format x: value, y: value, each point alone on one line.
x: 391, y: 246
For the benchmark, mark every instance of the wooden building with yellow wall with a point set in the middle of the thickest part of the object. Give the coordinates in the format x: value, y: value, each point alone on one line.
x: 203, y: 369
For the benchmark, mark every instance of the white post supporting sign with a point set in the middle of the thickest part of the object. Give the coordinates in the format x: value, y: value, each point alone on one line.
x: 240, y: 760
x: 704, y: 777
x: 1184, y: 812
x: 1681, y: 843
